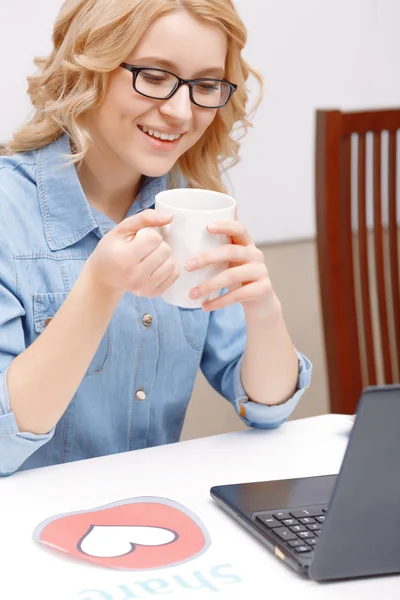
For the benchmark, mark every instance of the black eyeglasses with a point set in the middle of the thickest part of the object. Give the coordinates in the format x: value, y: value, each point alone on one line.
x: 160, y: 85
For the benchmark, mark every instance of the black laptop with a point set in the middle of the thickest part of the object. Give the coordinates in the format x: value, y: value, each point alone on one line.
x: 335, y: 526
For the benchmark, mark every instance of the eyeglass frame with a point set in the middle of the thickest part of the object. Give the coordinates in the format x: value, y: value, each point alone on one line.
x: 135, y: 70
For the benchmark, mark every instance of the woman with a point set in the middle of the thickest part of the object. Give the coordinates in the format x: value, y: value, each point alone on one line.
x: 92, y: 361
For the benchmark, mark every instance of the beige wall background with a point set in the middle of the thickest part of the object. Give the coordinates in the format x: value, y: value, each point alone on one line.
x: 294, y: 274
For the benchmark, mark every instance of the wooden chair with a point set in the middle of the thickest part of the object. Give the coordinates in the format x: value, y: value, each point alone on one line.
x: 357, y: 239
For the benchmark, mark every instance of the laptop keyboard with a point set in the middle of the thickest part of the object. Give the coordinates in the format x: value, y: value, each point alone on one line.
x: 299, y: 528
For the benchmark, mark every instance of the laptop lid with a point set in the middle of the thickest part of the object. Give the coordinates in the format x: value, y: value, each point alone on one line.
x: 361, y: 534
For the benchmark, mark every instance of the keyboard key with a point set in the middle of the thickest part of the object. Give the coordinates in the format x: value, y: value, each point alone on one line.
x: 316, y: 533
x: 269, y: 521
x: 314, y: 527
x: 301, y: 549
x: 313, y: 511
x: 305, y: 534
x: 311, y: 541
x: 288, y: 522
x: 320, y: 519
x: 285, y: 534
x: 282, y: 514
x: 307, y: 520
x: 295, y: 543
x: 297, y: 528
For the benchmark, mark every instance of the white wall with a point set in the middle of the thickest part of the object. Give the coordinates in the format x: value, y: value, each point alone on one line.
x: 312, y: 53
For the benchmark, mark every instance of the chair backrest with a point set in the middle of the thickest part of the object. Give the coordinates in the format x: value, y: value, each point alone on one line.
x: 357, y: 239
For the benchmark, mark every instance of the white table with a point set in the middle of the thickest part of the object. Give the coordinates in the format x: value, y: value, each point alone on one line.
x: 184, y: 473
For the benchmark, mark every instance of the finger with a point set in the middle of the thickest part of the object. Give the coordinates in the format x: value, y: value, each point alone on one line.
x: 157, y: 257
x: 230, y: 277
x: 235, y: 229
x: 229, y: 253
x: 145, y: 242
x: 146, y: 218
x: 163, y: 273
x: 246, y: 293
x: 166, y: 284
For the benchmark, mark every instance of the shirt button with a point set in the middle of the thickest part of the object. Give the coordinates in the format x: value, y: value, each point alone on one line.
x: 47, y: 321
x: 140, y: 395
x: 147, y: 320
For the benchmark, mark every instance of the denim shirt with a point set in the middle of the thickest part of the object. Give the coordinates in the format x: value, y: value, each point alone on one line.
x: 136, y: 389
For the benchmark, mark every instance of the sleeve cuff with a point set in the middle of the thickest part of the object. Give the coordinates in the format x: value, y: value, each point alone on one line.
x: 8, y: 424
x: 258, y: 415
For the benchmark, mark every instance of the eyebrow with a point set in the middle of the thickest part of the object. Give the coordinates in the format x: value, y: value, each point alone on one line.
x: 155, y: 61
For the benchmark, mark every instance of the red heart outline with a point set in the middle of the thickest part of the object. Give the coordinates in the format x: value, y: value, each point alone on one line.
x: 65, y: 532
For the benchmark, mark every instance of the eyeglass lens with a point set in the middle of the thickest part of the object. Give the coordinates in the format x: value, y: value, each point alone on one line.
x: 157, y: 84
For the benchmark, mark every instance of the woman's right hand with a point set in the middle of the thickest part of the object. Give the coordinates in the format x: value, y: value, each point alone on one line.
x: 134, y: 257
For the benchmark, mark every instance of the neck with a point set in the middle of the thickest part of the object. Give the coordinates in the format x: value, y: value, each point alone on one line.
x: 109, y: 186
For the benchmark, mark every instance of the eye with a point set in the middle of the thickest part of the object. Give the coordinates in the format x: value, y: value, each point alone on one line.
x: 150, y: 78
x: 207, y: 87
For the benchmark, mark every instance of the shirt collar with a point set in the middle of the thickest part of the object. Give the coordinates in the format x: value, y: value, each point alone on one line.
x: 66, y: 213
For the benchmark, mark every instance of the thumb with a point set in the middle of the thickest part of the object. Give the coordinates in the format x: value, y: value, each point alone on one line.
x: 147, y: 218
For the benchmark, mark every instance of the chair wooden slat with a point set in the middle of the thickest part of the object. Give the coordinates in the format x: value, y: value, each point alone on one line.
x: 347, y: 240
x: 379, y: 260
x: 393, y: 241
x: 363, y: 257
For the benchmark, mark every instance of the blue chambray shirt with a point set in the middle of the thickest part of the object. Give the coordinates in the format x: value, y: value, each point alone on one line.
x: 47, y: 231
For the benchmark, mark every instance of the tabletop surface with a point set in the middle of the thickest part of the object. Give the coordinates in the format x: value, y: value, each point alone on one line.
x: 232, y: 564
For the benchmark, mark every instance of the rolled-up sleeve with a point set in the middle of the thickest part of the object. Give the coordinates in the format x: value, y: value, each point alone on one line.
x: 221, y: 364
x: 15, y: 446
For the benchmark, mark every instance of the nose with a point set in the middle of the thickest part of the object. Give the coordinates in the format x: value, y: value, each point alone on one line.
x: 179, y: 106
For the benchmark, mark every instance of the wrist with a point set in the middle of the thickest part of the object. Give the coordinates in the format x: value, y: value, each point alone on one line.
x: 267, y: 309
x: 98, y: 288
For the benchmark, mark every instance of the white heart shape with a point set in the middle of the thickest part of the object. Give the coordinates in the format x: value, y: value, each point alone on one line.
x: 109, y: 541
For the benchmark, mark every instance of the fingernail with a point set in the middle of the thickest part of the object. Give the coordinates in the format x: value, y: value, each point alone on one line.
x: 191, y: 264
x: 195, y: 293
x: 166, y: 216
x: 212, y: 227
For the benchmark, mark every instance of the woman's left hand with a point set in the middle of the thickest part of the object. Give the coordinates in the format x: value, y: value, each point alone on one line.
x: 246, y: 278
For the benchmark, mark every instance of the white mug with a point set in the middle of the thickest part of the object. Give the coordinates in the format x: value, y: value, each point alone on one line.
x: 188, y: 236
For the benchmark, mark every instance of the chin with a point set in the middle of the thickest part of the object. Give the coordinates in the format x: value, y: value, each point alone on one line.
x: 156, y: 170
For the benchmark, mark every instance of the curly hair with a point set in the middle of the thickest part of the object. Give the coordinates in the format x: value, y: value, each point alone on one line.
x: 90, y: 40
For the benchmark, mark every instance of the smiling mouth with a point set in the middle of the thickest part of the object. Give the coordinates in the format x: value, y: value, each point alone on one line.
x: 164, y: 137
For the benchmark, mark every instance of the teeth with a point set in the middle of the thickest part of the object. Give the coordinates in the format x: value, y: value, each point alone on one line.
x: 162, y: 136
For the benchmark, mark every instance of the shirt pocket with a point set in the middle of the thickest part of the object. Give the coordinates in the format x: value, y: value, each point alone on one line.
x: 195, y: 325
x: 45, y: 306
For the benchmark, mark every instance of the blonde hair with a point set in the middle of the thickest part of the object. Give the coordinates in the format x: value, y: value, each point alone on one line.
x: 90, y: 40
